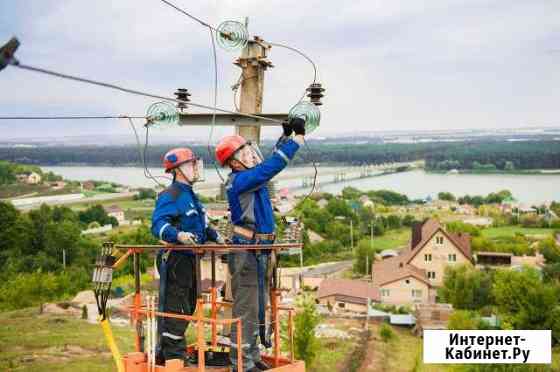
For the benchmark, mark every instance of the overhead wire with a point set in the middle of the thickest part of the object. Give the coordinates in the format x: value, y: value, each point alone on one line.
x: 143, y: 155
x: 304, y: 56
x: 70, y: 117
x: 215, y: 60
x: 235, y: 87
x: 189, y: 15
x: 153, y: 178
x: 133, y: 91
x: 307, y: 147
x: 214, y: 108
x: 215, y: 104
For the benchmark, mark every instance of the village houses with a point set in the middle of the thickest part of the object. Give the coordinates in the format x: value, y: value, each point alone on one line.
x: 30, y: 178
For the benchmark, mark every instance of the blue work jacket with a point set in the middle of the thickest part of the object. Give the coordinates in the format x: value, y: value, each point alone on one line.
x: 247, y: 193
x: 178, y: 209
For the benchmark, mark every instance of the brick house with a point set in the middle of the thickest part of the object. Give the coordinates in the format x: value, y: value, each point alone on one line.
x: 414, y: 275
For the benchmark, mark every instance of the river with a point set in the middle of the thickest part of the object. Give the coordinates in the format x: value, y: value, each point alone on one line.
x: 415, y: 184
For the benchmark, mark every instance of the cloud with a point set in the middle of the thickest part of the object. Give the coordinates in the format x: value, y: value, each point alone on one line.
x: 406, y: 64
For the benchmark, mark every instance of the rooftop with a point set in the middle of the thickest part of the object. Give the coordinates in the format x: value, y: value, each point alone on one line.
x: 348, y: 287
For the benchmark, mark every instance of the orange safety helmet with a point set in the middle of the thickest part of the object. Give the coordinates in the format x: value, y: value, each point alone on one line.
x: 227, y: 147
x: 175, y: 157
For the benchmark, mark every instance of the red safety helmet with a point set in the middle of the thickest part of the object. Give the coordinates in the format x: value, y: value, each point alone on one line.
x: 227, y: 147
x: 175, y: 157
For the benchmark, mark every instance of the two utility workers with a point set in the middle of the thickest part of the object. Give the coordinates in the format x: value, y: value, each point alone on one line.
x: 179, y: 218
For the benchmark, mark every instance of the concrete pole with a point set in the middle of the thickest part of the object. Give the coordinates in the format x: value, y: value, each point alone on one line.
x: 351, y: 235
x: 253, y: 64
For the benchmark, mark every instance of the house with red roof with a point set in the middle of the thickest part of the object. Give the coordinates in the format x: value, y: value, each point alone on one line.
x: 415, y: 273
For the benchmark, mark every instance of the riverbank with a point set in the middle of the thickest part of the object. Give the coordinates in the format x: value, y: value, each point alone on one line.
x: 521, y: 172
x: 416, y: 184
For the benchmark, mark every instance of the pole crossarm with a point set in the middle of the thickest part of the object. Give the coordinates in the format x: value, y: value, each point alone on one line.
x: 227, y: 119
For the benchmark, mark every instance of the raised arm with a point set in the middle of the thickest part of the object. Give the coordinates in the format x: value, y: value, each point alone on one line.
x: 264, y: 172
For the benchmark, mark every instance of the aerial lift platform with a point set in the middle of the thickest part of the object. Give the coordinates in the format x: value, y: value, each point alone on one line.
x: 143, y: 312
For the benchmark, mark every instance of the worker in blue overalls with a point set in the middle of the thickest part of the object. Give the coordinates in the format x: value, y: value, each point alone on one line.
x: 179, y: 218
x: 253, y: 223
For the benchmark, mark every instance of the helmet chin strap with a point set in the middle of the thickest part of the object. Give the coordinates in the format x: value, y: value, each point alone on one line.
x: 186, y: 179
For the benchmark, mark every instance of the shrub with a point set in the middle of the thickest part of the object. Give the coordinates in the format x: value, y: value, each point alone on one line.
x: 462, y: 319
x: 306, y: 320
x: 386, y: 333
x: 32, y: 289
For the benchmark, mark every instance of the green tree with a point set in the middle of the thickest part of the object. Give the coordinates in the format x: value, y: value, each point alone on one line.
x: 339, y: 231
x: 61, y: 213
x: 306, y: 344
x: 523, y: 298
x: 59, y: 237
x: 461, y: 227
x: 351, y: 193
x: 364, y: 255
x: 389, y: 197
x: 555, y: 207
x: 14, y: 237
x: 96, y: 213
x: 446, y: 196
x: 339, y: 207
x: 145, y: 193
x: 550, y: 250
x: 466, y: 288
x: 7, y: 174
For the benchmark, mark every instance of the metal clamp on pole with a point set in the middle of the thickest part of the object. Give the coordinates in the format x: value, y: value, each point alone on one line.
x: 7, y: 53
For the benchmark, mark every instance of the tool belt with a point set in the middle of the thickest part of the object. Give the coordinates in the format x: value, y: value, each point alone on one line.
x: 249, y: 234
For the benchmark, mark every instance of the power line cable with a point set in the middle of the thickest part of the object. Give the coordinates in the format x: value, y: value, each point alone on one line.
x: 215, y: 60
x: 69, y: 117
x: 142, y: 153
x: 235, y: 87
x: 280, y: 45
x: 189, y: 15
x: 132, y: 91
x: 215, y: 104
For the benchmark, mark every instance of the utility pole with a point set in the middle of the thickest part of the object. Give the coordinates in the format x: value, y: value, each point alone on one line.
x: 253, y: 62
x: 351, y: 235
x: 371, y: 248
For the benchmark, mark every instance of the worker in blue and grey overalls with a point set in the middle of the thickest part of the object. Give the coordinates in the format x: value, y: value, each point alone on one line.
x: 179, y: 218
x: 253, y: 223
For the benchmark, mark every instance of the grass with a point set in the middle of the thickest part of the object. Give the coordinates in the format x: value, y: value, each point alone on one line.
x: 33, y: 342
x: 404, y: 354
x: 392, y: 239
x: 334, y: 353
x: 126, y: 202
x: 510, y: 231
x: 21, y: 189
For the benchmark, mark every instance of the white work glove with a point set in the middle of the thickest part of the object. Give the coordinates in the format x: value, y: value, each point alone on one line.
x: 220, y: 239
x: 186, y: 238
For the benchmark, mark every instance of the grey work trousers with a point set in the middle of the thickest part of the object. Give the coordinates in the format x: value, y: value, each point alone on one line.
x: 245, y: 285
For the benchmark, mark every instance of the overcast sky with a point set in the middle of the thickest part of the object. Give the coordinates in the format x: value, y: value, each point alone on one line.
x: 385, y: 64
